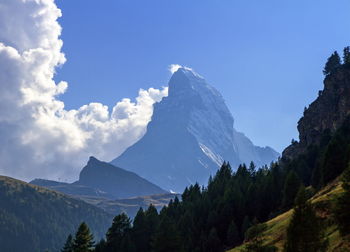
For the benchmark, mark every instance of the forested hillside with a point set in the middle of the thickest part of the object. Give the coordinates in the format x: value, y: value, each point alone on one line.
x: 275, y: 231
x: 35, y: 219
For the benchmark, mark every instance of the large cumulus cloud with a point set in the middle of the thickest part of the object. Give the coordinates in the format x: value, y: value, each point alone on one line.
x: 38, y: 137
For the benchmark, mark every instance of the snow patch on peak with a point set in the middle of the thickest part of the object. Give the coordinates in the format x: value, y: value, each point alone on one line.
x: 176, y: 67
x: 214, y: 157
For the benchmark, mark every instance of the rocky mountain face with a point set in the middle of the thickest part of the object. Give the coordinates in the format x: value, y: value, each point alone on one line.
x: 190, y: 135
x: 115, y: 181
x: 326, y: 114
x: 103, y: 180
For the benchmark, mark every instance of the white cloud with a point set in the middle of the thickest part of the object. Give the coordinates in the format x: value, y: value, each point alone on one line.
x: 38, y: 137
x: 174, y: 67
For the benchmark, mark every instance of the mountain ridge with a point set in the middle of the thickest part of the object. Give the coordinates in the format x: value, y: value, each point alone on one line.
x: 104, y: 180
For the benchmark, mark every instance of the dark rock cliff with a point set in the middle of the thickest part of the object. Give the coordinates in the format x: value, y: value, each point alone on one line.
x: 326, y: 114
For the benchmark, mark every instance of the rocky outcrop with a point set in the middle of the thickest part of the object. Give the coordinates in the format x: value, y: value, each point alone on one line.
x: 326, y: 114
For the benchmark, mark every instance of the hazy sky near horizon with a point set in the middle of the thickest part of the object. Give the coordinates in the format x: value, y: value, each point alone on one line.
x: 265, y: 57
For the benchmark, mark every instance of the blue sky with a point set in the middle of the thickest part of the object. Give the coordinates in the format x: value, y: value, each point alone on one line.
x: 265, y: 57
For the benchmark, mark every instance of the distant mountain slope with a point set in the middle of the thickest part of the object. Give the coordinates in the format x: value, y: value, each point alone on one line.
x: 247, y: 151
x: 36, y: 219
x: 101, y: 179
x: 70, y: 189
x: 130, y: 206
x: 191, y: 133
x: 115, y: 181
x: 105, y: 201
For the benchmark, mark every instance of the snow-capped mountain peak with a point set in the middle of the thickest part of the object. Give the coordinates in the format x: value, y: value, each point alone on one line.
x: 191, y: 133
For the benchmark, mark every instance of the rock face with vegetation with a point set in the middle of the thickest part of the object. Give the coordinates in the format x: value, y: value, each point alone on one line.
x: 327, y: 113
x: 324, y: 130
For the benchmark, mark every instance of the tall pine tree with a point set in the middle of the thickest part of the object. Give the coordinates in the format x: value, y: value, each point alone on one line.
x: 118, y: 234
x: 304, y: 232
x: 245, y: 225
x: 346, y: 56
x: 291, y: 187
x: 83, y: 241
x: 213, y: 242
x: 333, y: 63
x: 255, y: 240
x: 342, y: 206
x: 167, y: 238
x: 68, y: 246
x: 232, y: 234
x: 140, y: 232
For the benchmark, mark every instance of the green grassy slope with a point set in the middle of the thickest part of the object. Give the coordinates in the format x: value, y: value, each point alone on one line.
x: 275, y: 233
x: 35, y: 219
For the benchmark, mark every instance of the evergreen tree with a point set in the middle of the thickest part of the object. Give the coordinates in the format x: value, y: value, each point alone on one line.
x: 336, y: 156
x: 255, y: 239
x: 342, y: 205
x: 117, y: 234
x: 128, y: 244
x: 291, y: 187
x: 252, y: 168
x: 100, y: 246
x: 152, y: 223
x: 232, y: 234
x: 140, y: 232
x: 152, y: 218
x: 83, y: 241
x: 213, y: 243
x: 346, y: 56
x: 190, y: 230
x: 245, y: 225
x: 167, y: 238
x: 333, y: 63
x: 68, y: 246
x: 304, y: 232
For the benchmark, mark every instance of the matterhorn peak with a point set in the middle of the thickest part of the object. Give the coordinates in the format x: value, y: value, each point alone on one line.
x: 185, y: 82
x: 190, y: 135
